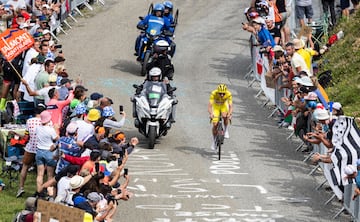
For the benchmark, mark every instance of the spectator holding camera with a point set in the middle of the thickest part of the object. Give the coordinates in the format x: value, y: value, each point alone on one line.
x: 262, y: 34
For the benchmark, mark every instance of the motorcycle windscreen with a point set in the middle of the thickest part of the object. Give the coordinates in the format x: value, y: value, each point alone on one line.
x: 154, y: 95
x: 155, y: 26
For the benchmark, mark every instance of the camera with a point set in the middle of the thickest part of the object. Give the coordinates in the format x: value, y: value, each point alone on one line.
x: 58, y: 46
x: 126, y: 172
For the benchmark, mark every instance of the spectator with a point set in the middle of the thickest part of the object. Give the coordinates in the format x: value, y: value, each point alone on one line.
x: 43, y: 92
x: 55, y: 107
x: 329, y: 5
x: 274, y: 30
x: 303, y: 8
x: 297, y: 61
x: 87, y: 163
x: 45, y: 137
x: 11, y: 78
x: 30, y: 54
x: 67, y: 145
x: 65, y: 86
x: 86, y: 126
x: 284, y: 28
x: 94, y: 100
x: 29, y: 77
x: 263, y: 35
x: 42, y: 78
x: 30, y: 148
x: 63, y: 185
x: 5, y: 15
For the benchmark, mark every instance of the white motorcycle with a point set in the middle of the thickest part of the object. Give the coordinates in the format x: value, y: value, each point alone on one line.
x: 153, y: 110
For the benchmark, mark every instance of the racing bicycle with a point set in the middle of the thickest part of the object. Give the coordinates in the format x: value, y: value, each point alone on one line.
x: 219, y: 137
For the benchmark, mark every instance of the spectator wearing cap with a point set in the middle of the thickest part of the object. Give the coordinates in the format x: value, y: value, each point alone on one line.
x: 94, y: 100
x: 43, y: 92
x: 47, y: 36
x: 76, y: 183
x: 65, y: 86
x: 89, y: 206
x: 45, y: 137
x: 79, y: 96
x: 105, y: 101
x: 337, y: 109
x: 67, y: 145
x: 56, y: 106
x: 86, y: 126
x: 30, y: 147
x: 109, y: 120
x: 79, y: 113
x: 63, y: 185
x: 298, y: 63
x: 258, y: 28
x: 273, y: 29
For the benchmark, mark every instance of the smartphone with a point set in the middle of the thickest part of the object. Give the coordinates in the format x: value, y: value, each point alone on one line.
x: 123, y: 150
x: 97, y: 167
x: 126, y: 171
x: 119, y: 161
x: 121, y: 108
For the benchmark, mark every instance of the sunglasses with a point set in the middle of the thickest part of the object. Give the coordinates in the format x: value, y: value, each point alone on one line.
x: 222, y: 94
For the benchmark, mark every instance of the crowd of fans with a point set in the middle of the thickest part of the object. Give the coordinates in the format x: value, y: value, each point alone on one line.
x: 308, y: 110
x: 71, y: 134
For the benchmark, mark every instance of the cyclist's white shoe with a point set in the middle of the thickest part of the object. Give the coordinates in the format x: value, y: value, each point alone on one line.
x: 226, y: 134
x: 213, y: 145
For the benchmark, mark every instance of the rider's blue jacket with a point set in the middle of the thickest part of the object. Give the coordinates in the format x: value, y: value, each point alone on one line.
x: 160, y: 20
x: 170, y: 18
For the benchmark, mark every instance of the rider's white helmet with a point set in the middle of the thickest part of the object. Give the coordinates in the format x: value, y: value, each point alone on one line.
x: 161, y: 45
x: 155, y: 72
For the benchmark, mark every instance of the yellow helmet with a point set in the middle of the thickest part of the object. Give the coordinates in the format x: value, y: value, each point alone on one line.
x: 222, y: 88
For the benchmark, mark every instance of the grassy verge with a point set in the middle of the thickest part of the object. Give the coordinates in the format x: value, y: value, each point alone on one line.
x: 10, y: 205
x: 343, y: 59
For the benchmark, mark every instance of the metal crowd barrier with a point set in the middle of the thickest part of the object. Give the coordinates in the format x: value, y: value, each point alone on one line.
x: 68, y: 7
x: 274, y: 96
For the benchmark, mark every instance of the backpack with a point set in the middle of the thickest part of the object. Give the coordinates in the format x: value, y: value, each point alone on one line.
x: 21, y: 216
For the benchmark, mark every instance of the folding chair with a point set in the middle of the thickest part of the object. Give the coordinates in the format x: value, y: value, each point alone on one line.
x: 26, y: 111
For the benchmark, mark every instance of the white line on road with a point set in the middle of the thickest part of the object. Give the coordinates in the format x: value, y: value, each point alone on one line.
x: 260, y: 188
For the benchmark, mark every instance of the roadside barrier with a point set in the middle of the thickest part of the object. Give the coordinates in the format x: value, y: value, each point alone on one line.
x: 260, y: 73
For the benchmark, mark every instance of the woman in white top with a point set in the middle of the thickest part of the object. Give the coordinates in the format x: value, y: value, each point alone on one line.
x: 46, y: 136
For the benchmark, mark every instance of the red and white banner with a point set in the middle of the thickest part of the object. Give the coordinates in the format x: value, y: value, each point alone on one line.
x: 13, y: 42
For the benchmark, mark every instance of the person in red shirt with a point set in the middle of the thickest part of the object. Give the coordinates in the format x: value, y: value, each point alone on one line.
x: 86, y: 162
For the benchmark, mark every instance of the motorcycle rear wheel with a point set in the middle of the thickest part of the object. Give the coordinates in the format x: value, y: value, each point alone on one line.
x: 152, y: 136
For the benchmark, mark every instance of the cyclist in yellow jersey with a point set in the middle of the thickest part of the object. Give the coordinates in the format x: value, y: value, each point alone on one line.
x: 220, y: 102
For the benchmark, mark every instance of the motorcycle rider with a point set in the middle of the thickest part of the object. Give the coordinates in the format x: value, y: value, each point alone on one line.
x: 157, y: 17
x: 169, y: 16
x: 162, y: 60
x: 155, y: 76
x: 168, y: 11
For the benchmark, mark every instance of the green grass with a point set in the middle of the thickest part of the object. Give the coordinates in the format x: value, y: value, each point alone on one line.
x: 343, y: 59
x: 10, y: 205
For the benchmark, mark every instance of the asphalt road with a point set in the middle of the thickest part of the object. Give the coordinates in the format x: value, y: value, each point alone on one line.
x: 260, y: 176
